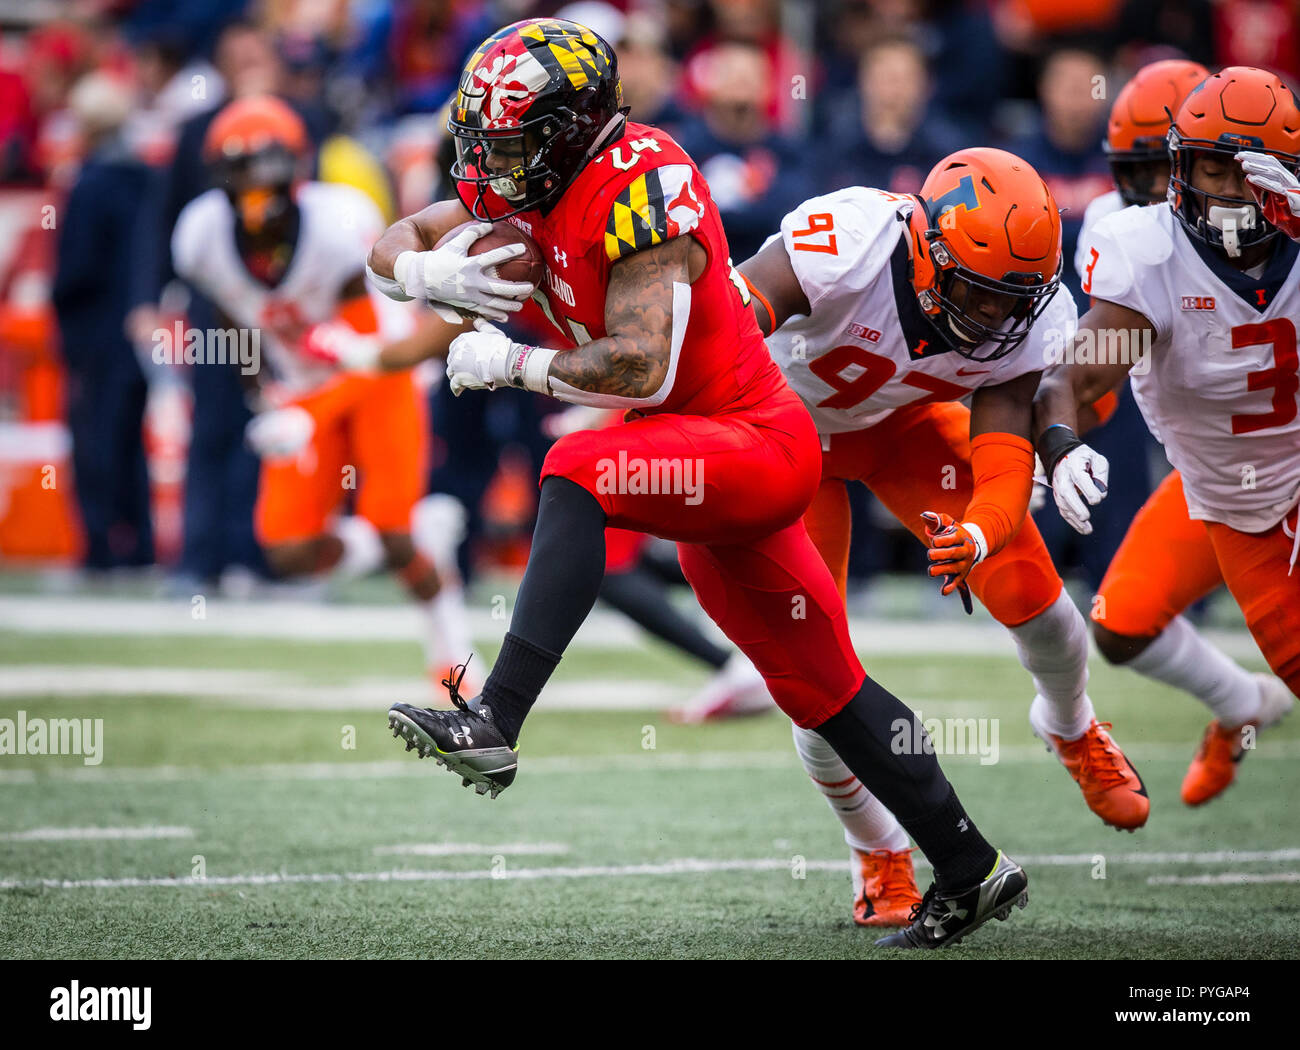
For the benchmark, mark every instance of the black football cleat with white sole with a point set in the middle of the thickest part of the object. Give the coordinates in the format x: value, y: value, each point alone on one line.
x: 464, y: 739
x: 945, y: 918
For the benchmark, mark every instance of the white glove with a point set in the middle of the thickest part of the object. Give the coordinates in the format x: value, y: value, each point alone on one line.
x: 1265, y: 172
x: 1276, y: 190
x: 339, y: 344
x: 280, y: 433
x: 450, y: 276
x: 487, y: 358
x: 1080, y: 476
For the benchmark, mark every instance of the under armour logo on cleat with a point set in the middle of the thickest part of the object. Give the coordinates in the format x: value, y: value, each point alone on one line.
x: 462, y: 737
x: 937, y: 921
x: 963, y: 824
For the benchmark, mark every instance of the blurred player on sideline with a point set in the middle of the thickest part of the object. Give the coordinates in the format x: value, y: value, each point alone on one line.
x: 281, y: 257
x: 1207, y: 290
x: 884, y: 312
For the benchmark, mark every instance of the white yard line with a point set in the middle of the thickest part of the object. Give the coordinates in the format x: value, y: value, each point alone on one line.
x: 470, y: 849
x: 281, y: 690
x: 1227, y: 878
x: 546, y: 765
x: 94, y: 834
x: 323, y: 622
x: 542, y: 765
x: 682, y: 866
x: 633, y: 761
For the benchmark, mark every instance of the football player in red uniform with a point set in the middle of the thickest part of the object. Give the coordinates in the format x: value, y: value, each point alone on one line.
x: 717, y: 452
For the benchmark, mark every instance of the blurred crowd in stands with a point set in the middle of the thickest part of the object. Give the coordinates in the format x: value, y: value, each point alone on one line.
x: 109, y: 460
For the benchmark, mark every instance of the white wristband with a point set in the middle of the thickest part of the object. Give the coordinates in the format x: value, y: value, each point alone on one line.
x: 530, y: 367
x: 981, y: 544
x: 387, y: 285
x: 408, y: 271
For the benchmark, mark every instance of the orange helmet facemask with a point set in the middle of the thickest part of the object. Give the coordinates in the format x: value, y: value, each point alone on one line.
x: 1139, y: 124
x: 1239, y: 108
x: 257, y: 148
x: 986, y: 251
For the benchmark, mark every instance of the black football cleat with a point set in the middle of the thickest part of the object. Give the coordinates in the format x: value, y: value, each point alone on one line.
x: 945, y: 918
x: 465, y: 740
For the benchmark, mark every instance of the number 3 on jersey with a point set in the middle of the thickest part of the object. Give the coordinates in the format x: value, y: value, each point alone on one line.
x: 1282, y: 378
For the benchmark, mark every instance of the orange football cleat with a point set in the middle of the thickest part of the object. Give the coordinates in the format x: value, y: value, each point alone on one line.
x: 1215, y: 764
x: 1110, y: 784
x: 884, y: 887
x: 1222, y: 747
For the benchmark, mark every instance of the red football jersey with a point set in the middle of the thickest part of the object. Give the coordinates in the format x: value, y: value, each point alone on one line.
x: 638, y: 192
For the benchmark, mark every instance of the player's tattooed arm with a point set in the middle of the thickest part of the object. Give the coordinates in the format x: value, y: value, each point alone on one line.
x: 632, y: 360
x: 778, y: 295
x: 1065, y: 389
x: 416, y: 233
x: 1004, y: 408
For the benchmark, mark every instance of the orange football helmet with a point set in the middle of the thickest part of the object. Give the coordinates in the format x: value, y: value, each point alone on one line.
x: 986, y: 250
x: 257, y: 149
x: 1239, y: 108
x: 1139, y: 124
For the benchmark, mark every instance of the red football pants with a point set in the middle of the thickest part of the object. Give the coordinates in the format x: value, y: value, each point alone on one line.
x: 731, y: 490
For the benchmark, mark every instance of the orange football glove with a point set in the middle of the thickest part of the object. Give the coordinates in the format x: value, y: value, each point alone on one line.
x: 954, y: 551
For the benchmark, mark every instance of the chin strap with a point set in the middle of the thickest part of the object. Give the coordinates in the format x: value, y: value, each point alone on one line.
x: 615, y: 123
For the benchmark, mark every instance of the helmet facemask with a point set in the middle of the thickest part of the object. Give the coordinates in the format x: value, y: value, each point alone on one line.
x: 1230, y: 224
x: 982, y: 318
x: 259, y: 185
x: 1141, y: 174
x: 515, y: 164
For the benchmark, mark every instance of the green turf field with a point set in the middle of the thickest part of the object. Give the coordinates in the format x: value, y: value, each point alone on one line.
x: 624, y: 836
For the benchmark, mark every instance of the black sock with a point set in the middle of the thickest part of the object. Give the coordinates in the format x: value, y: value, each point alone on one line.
x: 959, y: 853
x: 520, y: 672
x: 644, y: 599
x: 560, y: 585
x: 882, y: 742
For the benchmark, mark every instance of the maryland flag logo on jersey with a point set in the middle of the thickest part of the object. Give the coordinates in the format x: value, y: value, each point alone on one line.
x: 656, y: 206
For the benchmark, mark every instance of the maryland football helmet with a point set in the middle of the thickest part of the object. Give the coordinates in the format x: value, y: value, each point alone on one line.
x: 257, y: 148
x: 1139, y: 125
x: 537, y: 100
x: 986, y: 250
x: 1239, y: 108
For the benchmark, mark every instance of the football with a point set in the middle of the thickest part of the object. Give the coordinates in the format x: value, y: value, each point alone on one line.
x: 527, y: 267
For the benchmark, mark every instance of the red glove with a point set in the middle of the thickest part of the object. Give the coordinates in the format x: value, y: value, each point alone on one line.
x: 954, y: 550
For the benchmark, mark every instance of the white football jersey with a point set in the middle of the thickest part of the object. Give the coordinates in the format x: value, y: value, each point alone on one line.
x: 866, y: 348
x: 1222, y: 382
x: 1098, y: 208
x: 338, y: 225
